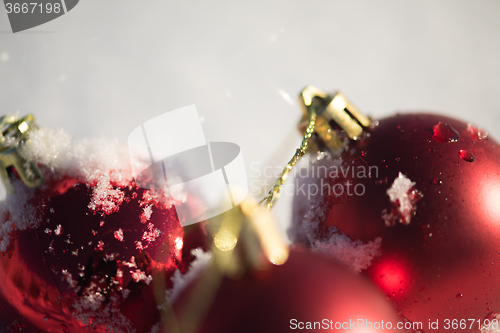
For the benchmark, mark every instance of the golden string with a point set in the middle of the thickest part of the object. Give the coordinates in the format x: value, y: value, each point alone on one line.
x: 274, y: 193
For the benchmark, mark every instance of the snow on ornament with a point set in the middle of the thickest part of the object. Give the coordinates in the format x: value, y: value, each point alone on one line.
x: 83, y: 247
x: 432, y: 197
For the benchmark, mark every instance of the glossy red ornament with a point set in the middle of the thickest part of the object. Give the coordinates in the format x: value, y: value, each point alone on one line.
x: 305, y: 291
x: 441, y: 254
x: 90, y: 264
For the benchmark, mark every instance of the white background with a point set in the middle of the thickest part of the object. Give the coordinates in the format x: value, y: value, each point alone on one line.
x: 107, y: 66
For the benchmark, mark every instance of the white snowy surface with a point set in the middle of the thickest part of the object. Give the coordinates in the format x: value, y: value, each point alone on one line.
x: 107, y: 66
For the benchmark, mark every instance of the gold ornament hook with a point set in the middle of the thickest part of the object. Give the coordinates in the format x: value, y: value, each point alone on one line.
x: 13, y: 133
x: 333, y: 118
x: 338, y: 119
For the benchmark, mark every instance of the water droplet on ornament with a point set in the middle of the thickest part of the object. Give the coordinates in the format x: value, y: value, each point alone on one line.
x: 393, y: 294
x: 400, y: 291
x: 321, y: 155
x: 436, y: 181
x: 381, y: 181
x: 364, y: 153
x: 466, y: 156
x: 460, y: 295
x: 65, y: 328
x: 445, y: 133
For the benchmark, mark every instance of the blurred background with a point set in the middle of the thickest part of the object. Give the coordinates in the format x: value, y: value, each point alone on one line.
x: 107, y: 66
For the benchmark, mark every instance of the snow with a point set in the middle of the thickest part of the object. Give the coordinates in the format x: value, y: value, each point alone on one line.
x: 146, y: 213
x: 399, y: 192
x: 119, y: 234
x: 309, y: 214
x: 58, y: 230
x: 17, y: 213
x: 355, y: 254
x: 139, y: 275
x: 89, y: 161
x: 92, y: 311
x: 180, y: 281
x: 403, y: 196
x: 104, y: 198
x: 86, y: 160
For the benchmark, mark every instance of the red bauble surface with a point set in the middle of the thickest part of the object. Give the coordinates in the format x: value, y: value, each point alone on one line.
x: 91, y: 262
x: 443, y: 264
x: 304, y: 290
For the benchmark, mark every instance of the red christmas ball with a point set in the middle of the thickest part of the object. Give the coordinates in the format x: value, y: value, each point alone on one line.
x: 429, y: 186
x: 307, y: 292
x: 82, y: 253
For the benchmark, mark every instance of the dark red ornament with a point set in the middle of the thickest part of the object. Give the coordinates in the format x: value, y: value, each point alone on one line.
x: 305, y: 293
x: 90, y: 264
x: 440, y: 240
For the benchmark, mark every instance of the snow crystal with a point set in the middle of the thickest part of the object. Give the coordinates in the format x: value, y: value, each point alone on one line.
x: 476, y: 132
x: 180, y: 281
x: 119, y: 234
x: 69, y: 278
x: 404, y: 196
x: 399, y: 192
x: 130, y: 263
x: 93, y: 310
x: 58, y: 230
x: 354, y: 254
x: 152, y: 234
x: 139, y: 275
x: 105, y: 199
x: 146, y: 213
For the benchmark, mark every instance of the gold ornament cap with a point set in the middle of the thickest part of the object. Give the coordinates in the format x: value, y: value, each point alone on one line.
x: 14, y: 133
x: 338, y: 120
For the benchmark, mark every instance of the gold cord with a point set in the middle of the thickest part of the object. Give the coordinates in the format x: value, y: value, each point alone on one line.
x: 274, y: 193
